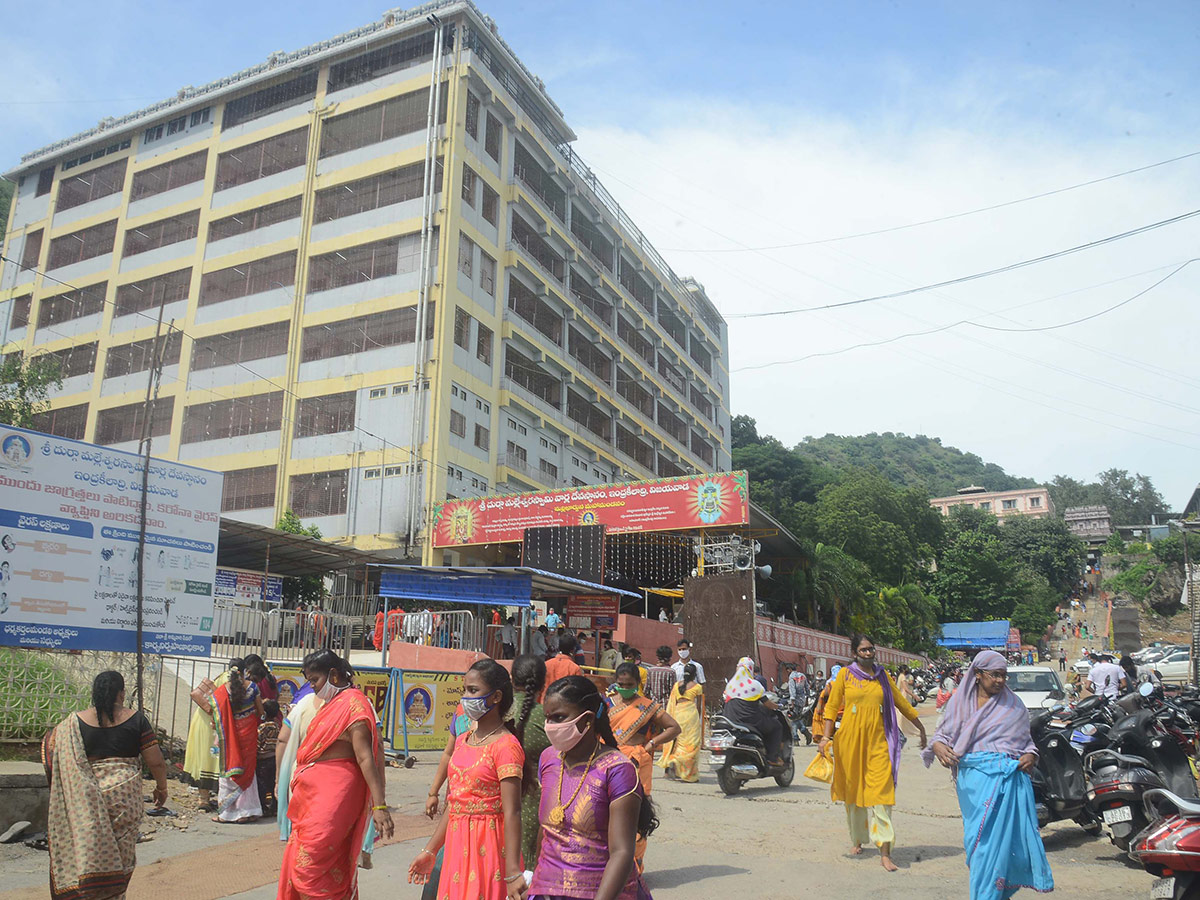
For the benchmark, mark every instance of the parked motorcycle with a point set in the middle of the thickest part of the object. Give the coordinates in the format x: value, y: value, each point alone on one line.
x: 1059, y: 785
x: 738, y: 754
x: 1170, y: 846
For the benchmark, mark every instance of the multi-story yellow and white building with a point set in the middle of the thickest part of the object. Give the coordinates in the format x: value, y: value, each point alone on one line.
x: 381, y: 236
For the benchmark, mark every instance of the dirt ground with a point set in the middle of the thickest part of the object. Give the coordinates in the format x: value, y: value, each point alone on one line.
x: 766, y: 842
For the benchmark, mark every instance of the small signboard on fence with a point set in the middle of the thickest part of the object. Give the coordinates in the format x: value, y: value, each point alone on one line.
x: 588, y: 613
x: 422, y: 708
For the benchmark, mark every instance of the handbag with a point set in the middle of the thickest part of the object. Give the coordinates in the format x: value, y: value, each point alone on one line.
x: 820, y: 769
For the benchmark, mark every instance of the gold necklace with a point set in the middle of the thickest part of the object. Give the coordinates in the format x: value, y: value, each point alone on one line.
x: 485, y: 737
x: 558, y: 814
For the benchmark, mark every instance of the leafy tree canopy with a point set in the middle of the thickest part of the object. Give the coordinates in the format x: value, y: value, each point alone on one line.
x: 24, y: 387
x: 307, y: 590
x: 1131, y: 499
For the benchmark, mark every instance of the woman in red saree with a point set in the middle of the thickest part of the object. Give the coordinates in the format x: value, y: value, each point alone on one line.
x: 640, y: 726
x: 237, y: 710
x: 338, y: 775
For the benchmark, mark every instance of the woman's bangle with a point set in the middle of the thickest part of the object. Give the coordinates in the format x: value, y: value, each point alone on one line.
x: 382, y: 807
x: 426, y: 850
x: 511, y: 878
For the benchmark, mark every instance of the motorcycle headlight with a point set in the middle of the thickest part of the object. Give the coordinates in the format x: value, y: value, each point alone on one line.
x: 720, y: 742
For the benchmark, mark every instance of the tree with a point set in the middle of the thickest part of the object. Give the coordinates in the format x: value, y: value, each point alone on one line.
x: 306, y: 589
x: 831, y: 580
x: 743, y: 431
x: 1131, y: 499
x: 24, y: 387
x: 1047, y: 547
x: 1115, y: 544
x: 902, y: 617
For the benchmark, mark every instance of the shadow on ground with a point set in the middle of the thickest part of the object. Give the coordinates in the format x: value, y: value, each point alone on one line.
x: 669, y: 878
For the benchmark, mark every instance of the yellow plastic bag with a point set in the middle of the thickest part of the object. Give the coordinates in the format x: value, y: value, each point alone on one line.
x: 820, y: 769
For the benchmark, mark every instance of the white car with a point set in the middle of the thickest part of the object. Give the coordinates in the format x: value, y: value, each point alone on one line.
x: 1037, y: 686
x: 1082, y: 666
x: 1175, y: 666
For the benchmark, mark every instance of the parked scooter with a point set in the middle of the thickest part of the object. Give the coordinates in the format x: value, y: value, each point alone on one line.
x: 1170, y: 846
x: 1059, y: 785
x: 738, y: 754
x: 1142, y: 756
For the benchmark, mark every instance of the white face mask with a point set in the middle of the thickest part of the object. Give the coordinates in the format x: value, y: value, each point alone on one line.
x: 684, y: 654
x: 328, y: 691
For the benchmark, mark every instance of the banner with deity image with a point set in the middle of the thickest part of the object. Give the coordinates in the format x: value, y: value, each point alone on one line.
x: 719, y: 499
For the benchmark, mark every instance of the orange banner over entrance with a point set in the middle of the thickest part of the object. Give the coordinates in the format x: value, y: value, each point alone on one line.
x: 719, y: 499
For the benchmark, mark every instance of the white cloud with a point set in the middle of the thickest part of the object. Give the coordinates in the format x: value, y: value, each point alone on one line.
x: 713, y: 176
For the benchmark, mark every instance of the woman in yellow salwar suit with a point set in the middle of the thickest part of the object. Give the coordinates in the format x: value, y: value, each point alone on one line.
x: 866, y: 752
x: 686, y: 707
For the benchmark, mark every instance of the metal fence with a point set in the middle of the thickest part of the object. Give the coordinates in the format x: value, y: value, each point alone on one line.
x: 284, y: 634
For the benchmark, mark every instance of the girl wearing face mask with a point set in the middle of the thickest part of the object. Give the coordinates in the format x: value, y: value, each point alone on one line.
x: 592, y: 807
x: 338, y: 777
x: 481, y: 830
x: 640, y: 726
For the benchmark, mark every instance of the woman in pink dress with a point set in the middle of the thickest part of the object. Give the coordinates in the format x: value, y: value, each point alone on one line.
x: 593, y: 807
x: 481, y: 831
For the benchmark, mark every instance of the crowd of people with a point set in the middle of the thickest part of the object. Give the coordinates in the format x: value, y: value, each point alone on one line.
x: 545, y: 785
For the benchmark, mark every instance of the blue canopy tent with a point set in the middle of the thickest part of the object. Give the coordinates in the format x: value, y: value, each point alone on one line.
x: 975, y: 635
x: 483, y: 585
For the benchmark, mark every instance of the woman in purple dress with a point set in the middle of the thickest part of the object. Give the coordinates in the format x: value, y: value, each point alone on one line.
x: 592, y: 805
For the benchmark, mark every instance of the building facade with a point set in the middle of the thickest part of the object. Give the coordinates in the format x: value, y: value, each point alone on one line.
x: 1023, y: 502
x: 1091, y: 523
x: 380, y: 277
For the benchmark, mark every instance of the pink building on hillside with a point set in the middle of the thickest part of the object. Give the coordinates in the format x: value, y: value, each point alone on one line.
x: 1022, y: 502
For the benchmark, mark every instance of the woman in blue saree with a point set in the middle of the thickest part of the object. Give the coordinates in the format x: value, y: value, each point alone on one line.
x: 984, y: 740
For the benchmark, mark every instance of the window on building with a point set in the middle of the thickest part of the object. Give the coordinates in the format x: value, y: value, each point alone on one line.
x: 327, y: 414
x: 399, y: 389
x: 121, y: 424
x: 32, y: 250
x: 254, y: 219
x: 65, y: 422
x: 238, y: 417
x: 169, y: 175
x: 538, y: 247
x: 466, y: 255
x: 483, y: 344
x: 377, y: 63
x: 534, y: 310
x: 45, y: 181
x: 200, y: 117
x: 262, y: 159
x: 483, y: 437
x: 88, y: 301
x: 248, y: 489
x: 470, y: 185
x: 376, y: 393
x: 255, y: 277
x: 548, y: 468
x: 472, y: 115
x: 319, y: 494
x: 87, y: 243
x: 516, y: 452
x: 162, y: 233
x: 458, y: 423
x: 577, y: 482
x: 137, y: 296
x: 371, y: 473
x: 540, y: 182
x: 1008, y: 504
x: 374, y: 192
x: 462, y: 328
x: 382, y: 121
x: 232, y: 347
x: 176, y: 126
x: 19, y: 317
x: 366, y: 262
x: 385, y: 329
x: 487, y: 274
x: 76, y: 190
x: 270, y: 99
x: 549, y: 445
x: 490, y: 206
x: 152, y: 134
x: 491, y: 141
x: 1035, y: 502
x: 986, y: 505
x: 138, y: 356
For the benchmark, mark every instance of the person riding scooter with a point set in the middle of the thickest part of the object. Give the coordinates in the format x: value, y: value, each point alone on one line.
x: 745, y: 705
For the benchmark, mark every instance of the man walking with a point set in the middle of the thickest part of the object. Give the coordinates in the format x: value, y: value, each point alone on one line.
x: 1062, y: 659
x: 684, y: 650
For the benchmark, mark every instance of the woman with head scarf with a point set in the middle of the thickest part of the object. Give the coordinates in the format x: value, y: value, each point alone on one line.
x: 866, y: 753
x: 984, y: 740
x: 744, y: 706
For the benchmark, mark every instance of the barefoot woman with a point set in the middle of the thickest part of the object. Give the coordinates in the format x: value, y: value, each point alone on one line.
x: 866, y: 754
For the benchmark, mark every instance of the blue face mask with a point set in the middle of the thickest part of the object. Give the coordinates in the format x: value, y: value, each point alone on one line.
x: 476, y: 707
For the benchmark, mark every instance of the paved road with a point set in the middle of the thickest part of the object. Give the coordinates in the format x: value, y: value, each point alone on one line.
x: 767, y: 843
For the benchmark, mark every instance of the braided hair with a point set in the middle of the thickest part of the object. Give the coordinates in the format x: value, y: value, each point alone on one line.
x: 105, y: 689
x: 257, y: 669
x: 236, y: 686
x: 580, y: 692
x: 529, y: 677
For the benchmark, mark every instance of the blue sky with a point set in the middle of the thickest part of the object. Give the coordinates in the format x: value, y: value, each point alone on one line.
x: 720, y: 130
